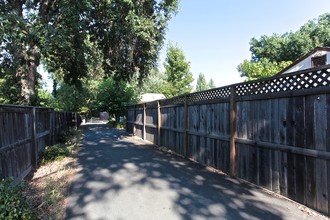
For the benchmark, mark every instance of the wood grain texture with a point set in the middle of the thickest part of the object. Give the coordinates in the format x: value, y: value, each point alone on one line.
x: 24, y: 134
x: 272, y: 132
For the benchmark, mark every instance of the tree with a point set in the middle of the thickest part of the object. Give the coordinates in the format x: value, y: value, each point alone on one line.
x: 154, y: 83
x: 113, y: 96
x: 270, y: 54
x: 128, y: 34
x: 70, y: 98
x: 211, y: 84
x: 262, y: 69
x: 201, y: 84
x: 178, y: 75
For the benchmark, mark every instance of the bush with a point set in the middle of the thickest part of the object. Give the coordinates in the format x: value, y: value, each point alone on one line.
x: 65, y: 136
x: 55, y: 152
x: 13, y: 204
x: 115, y: 124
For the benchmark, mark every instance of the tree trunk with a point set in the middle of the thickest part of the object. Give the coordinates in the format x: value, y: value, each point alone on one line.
x: 54, y: 88
x: 27, y: 71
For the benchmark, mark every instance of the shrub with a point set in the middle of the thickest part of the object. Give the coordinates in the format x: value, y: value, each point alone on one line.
x: 55, y: 152
x: 114, y: 124
x: 65, y: 136
x: 13, y: 204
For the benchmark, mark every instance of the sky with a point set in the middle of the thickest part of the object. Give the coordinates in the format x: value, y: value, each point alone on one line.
x: 215, y: 34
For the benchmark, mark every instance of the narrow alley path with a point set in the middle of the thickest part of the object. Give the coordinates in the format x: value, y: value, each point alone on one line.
x: 126, y: 178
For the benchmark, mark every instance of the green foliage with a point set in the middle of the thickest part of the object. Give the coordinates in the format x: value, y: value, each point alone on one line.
x: 9, y: 88
x: 130, y: 34
x: 154, y: 83
x: 113, y: 96
x: 201, y: 84
x: 270, y: 54
x: 262, y: 69
x: 120, y: 39
x: 65, y: 136
x: 13, y: 204
x: 211, y: 84
x: 52, y: 192
x: 178, y: 75
x: 117, y: 124
x: 71, y: 98
x: 64, y: 42
x: 45, y: 98
x: 67, y: 142
x: 55, y: 152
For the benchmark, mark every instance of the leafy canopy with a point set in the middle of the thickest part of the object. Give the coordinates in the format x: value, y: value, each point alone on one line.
x: 211, y: 84
x: 201, y: 84
x: 65, y: 35
x: 113, y: 97
x: 270, y: 54
x: 177, y: 70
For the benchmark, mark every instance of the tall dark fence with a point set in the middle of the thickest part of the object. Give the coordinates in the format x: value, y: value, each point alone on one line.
x: 273, y: 132
x: 24, y: 134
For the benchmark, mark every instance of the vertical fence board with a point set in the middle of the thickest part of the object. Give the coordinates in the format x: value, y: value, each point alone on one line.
x: 299, y: 124
x: 233, y: 132
x: 236, y: 129
x: 22, y: 131
x: 275, y: 154
x: 320, y: 144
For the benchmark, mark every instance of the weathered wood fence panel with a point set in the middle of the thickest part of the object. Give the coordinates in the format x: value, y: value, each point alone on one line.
x: 24, y: 134
x: 272, y: 132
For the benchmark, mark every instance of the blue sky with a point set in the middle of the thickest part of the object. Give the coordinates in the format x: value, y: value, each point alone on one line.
x: 214, y: 34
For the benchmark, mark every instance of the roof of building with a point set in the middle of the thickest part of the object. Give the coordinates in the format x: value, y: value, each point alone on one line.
x: 304, y: 57
x: 148, y: 97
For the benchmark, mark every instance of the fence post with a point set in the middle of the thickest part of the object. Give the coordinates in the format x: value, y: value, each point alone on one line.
x: 233, y: 131
x: 134, y: 121
x: 144, y: 121
x: 53, y: 126
x: 159, y: 124
x: 185, y: 121
x: 50, y: 114
x: 34, y: 147
x: 76, y: 121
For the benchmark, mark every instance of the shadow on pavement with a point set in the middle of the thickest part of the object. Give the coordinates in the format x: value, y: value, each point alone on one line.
x: 124, y: 178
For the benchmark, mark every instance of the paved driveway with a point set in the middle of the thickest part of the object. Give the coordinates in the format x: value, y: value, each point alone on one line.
x: 126, y: 178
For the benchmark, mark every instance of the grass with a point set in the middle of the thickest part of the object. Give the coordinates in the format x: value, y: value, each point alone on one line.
x: 48, y: 188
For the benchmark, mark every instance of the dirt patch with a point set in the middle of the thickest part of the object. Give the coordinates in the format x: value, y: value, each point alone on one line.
x: 48, y: 188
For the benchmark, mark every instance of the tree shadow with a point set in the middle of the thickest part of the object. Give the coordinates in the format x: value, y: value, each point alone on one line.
x: 121, y: 177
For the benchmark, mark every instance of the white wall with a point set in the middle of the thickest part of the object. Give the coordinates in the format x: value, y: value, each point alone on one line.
x: 307, y: 62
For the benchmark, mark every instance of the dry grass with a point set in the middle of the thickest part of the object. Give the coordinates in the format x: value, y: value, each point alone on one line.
x: 48, y: 188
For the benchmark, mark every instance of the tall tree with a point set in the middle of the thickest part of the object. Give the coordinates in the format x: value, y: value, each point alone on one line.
x: 129, y: 34
x: 154, y: 83
x: 177, y: 70
x: 113, y: 97
x: 270, y: 54
x: 211, y: 84
x: 201, y: 84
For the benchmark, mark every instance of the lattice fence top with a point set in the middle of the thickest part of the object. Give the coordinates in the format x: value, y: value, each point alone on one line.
x: 218, y: 93
x: 173, y: 101
x: 302, y: 80
x: 287, y: 82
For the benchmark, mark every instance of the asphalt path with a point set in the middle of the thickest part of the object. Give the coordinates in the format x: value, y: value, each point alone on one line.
x: 123, y: 178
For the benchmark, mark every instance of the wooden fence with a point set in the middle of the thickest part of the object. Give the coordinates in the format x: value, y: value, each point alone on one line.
x: 273, y: 132
x: 24, y: 134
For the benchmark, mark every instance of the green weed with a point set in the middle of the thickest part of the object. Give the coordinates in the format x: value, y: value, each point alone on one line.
x: 13, y: 204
